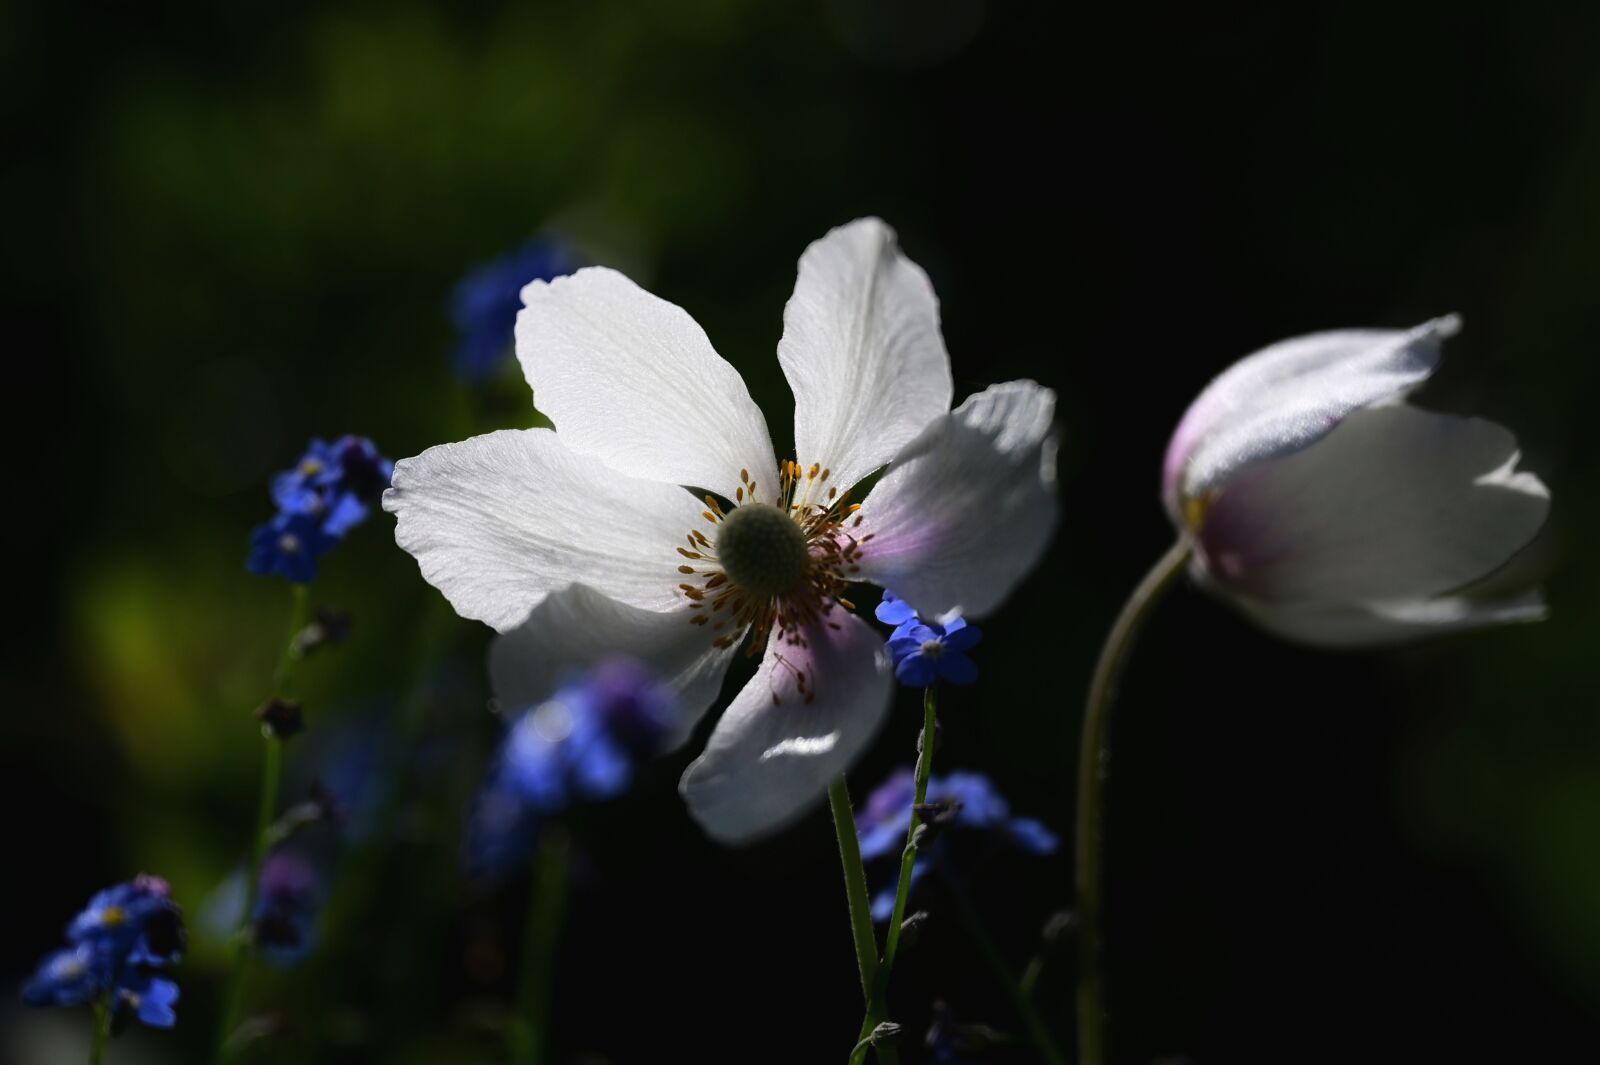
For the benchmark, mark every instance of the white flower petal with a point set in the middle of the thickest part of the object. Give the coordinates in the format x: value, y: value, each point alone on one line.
x: 577, y: 627
x: 1286, y: 396
x: 968, y: 507
x: 773, y: 753
x: 1343, y: 625
x: 1396, y: 504
x: 500, y: 521
x: 862, y: 351
x: 631, y: 380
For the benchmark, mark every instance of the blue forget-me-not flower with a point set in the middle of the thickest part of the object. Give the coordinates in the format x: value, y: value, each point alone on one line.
x: 971, y: 805
x: 322, y: 497
x: 119, y: 945
x: 286, y: 907
x: 582, y: 744
x: 485, y: 303
x: 926, y: 651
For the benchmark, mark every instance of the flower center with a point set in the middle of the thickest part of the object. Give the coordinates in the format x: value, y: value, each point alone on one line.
x: 762, y: 549
x: 932, y: 648
x: 772, y: 565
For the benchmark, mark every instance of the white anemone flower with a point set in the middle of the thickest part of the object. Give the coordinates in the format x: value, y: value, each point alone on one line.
x: 656, y: 520
x: 1335, y: 514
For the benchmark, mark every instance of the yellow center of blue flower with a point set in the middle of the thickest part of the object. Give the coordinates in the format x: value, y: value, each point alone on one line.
x: 113, y: 916
x: 762, y: 549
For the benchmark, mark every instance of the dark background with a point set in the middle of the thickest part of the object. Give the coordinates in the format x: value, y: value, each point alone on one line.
x: 235, y: 226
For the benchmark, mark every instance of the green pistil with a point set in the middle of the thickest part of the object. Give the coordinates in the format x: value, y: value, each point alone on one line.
x: 762, y: 550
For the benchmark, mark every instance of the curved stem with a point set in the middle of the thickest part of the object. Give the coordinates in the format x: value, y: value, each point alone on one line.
x: 1093, y: 760
x: 877, y: 1005
x: 855, y: 885
x: 547, y: 905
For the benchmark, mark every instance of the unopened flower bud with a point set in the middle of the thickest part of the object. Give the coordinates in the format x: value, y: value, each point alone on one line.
x: 886, y: 1034
x: 280, y: 718
x: 911, y: 928
x: 329, y: 626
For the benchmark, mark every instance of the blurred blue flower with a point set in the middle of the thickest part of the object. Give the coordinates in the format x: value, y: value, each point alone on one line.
x: 501, y: 831
x: 582, y: 744
x: 485, y: 303
x: 289, y: 545
x: 69, y: 977
x: 969, y: 804
x: 121, y: 939
x: 289, y: 895
x: 137, y: 920
x: 328, y: 492
x: 149, y: 998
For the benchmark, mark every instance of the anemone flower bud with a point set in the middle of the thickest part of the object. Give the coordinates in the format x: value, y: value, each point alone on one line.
x: 1333, y: 513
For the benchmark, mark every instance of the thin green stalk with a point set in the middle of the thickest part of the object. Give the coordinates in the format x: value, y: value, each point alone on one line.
x: 1093, y: 761
x: 877, y: 1004
x: 102, y: 1031
x: 299, y: 609
x: 855, y: 886
x: 1038, y: 1031
x: 547, y: 906
x: 1030, y: 974
x: 266, y: 814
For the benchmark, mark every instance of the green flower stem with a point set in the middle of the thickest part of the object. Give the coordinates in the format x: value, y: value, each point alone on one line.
x: 1038, y: 1031
x: 855, y: 886
x: 299, y: 610
x: 547, y: 907
x: 102, y: 1031
x: 1093, y: 760
x: 266, y: 814
x: 1030, y: 975
x: 877, y: 1005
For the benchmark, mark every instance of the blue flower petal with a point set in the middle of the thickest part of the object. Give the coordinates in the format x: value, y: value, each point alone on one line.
x: 916, y: 670
x: 957, y: 668
x: 901, y: 646
x: 959, y: 636
x: 1032, y: 836
x: 893, y: 610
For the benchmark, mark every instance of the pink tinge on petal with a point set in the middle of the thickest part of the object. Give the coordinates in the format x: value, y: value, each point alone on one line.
x: 815, y: 702
x: 1287, y: 396
x: 1196, y: 420
x: 1396, y: 504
